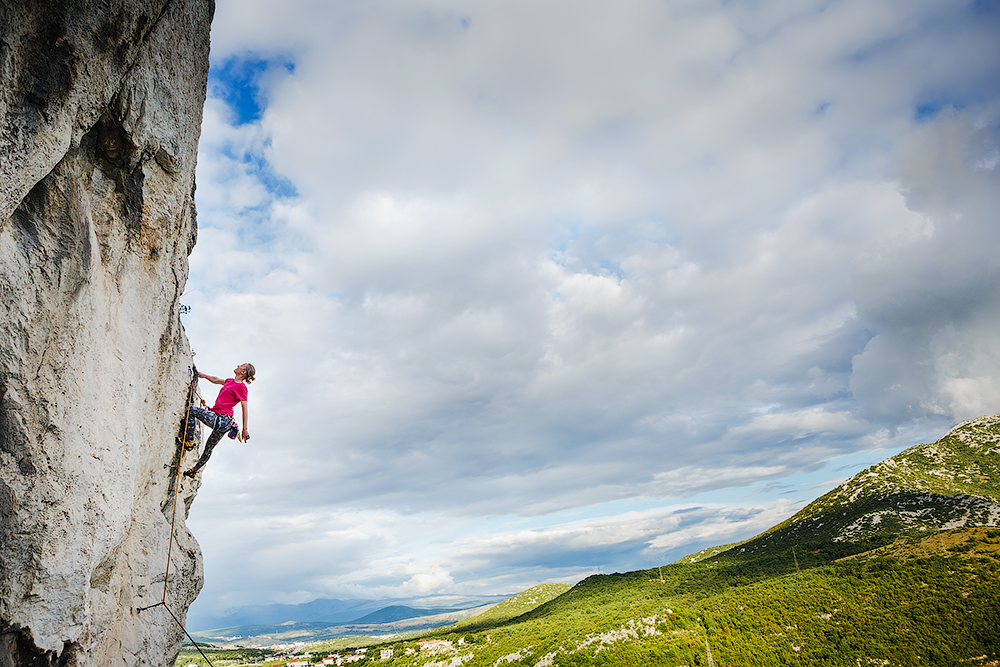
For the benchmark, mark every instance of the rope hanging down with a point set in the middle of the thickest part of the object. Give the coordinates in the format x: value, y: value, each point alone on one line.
x: 192, y: 392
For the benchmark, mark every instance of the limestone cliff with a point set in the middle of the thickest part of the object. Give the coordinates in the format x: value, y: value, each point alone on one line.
x: 100, y: 113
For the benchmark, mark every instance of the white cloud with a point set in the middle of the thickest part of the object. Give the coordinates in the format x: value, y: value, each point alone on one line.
x: 931, y: 298
x: 800, y: 424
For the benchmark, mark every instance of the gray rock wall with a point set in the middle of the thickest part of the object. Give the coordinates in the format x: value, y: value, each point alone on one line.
x: 100, y: 113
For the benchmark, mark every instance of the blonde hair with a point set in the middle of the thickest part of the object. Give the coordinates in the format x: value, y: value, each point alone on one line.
x: 251, y: 371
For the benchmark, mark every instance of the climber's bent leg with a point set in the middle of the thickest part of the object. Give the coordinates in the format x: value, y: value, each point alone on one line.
x: 206, y: 417
x: 220, y: 427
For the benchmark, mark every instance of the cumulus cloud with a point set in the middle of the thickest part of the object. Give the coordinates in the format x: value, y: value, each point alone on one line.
x: 932, y: 298
x: 516, y: 260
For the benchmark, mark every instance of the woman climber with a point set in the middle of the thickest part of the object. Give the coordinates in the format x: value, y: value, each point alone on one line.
x: 220, y: 418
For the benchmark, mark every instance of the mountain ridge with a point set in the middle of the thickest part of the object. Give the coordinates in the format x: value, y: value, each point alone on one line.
x: 948, y: 484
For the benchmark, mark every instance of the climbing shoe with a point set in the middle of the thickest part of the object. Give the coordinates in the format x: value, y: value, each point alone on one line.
x: 188, y: 445
x: 190, y: 473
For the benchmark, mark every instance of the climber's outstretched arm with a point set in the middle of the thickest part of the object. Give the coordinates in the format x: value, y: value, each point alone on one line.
x: 211, y: 378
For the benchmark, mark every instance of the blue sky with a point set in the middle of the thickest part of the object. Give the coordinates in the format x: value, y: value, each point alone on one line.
x: 537, y: 289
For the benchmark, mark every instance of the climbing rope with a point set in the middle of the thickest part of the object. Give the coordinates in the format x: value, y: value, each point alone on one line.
x: 192, y: 392
x: 203, y: 403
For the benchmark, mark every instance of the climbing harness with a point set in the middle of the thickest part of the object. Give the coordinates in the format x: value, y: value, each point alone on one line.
x: 234, y: 430
x: 192, y: 392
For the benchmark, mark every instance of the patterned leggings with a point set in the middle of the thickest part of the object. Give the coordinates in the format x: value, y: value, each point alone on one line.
x: 219, y: 424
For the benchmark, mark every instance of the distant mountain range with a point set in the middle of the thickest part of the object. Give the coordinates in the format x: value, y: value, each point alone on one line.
x: 383, y: 620
x: 395, y: 620
x: 332, y: 611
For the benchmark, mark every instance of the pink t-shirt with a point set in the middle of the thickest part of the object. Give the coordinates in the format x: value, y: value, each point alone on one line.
x: 232, y: 392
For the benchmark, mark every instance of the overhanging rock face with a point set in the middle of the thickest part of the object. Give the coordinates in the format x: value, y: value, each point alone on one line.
x: 100, y: 112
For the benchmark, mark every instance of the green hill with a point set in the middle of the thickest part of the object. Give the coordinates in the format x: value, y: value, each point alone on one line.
x: 514, y: 606
x: 899, y: 566
x: 709, y: 552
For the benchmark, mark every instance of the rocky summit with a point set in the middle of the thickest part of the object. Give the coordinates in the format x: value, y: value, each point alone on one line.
x: 100, y: 114
x: 952, y: 483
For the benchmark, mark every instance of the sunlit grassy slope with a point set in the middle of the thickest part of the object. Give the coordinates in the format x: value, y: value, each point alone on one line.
x: 514, y: 606
x: 708, y: 552
x: 898, y: 566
